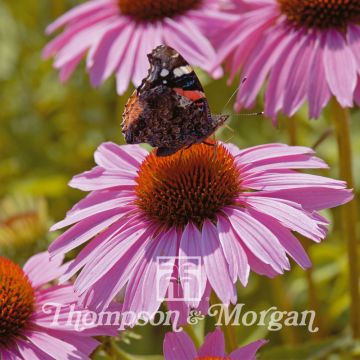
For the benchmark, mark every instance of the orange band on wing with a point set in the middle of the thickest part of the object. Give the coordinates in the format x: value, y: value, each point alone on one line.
x: 190, y: 94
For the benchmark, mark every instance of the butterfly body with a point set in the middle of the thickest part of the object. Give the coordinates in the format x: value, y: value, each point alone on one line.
x: 169, y: 109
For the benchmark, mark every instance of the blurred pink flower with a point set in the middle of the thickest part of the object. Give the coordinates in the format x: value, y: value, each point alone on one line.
x: 179, y: 346
x: 27, y: 329
x: 236, y: 212
x: 116, y: 35
x: 300, y: 50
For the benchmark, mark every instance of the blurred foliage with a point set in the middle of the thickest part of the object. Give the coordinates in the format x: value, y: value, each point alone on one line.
x: 49, y: 132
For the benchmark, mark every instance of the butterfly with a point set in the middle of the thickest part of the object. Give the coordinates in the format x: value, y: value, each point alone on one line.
x: 169, y: 110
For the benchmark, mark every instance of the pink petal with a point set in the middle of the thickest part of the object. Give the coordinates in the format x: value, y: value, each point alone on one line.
x: 278, y: 156
x: 259, y: 65
x: 353, y: 39
x: 89, y: 252
x: 214, y: 345
x: 290, y: 215
x: 96, y: 203
x: 296, y: 86
x: 288, y: 180
x: 67, y: 69
x: 54, y: 347
x: 318, y: 89
x: 240, y: 31
x: 146, y: 290
x: 289, y: 242
x: 115, y: 55
x: 247, y: 352
x: 101, y: 179
x: 357, y: 92
x: 260, y: 267
x: 40, y: 269
x: 61, y: 40
x: 258, y: 239
x: 280, y: 73
x: 234, y: 253
x: 190, y: 247
x: 101, y: 54
x: 83, y: 231
x: 216, y: 267
x: 340, y: 67
x: 115, y: 157
x: 83, y: 10
x: 28, y: 351
x: 313, y: 197
x: 125, y: 69
x: 110, y: 253
x: 178, y: 346
x: 80, y: 42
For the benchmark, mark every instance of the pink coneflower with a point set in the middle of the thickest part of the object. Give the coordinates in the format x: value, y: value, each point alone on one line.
x: 116, y: 35
x: 303, y: 50
x: 179, y: 346
x: 236, y: 212
x: 26, y: 331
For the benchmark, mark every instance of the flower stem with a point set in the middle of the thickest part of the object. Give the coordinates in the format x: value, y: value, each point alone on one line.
x: 349, y: 211
x: 117, y: 352
x: 292, y: 129
x: 228, y: 329
x: 281, y: 298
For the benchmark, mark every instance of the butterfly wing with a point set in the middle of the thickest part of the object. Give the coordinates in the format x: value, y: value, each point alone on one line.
x: 169, y: 110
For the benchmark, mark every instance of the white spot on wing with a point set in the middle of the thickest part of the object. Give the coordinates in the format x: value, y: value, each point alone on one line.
x: 164, y: 72
x: 182, y: 70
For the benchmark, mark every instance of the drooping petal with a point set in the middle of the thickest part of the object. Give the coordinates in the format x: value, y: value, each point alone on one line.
x: 110, y: 253
x: 234, y: 253
x: 340, y: 67
x: 281, y: 73
x: 353, y: 39
x: 216, y: 267
x: 313, y: 197
x: 214, y: 345
x: 318, y: 92
x: 289, y: 214
x: 178, y: 346
x: 148, y: 285
x: 273, y: 181
x: 247, y: 352
x: 258, y: 239
x: 191, y: 265
x: 289, y: 242
x: 125, y: 69
x: 296, y: 85
x: 81, y: 11
x: 40, y: 269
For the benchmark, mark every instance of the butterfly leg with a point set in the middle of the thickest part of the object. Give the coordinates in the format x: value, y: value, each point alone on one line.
x: 213, y: 145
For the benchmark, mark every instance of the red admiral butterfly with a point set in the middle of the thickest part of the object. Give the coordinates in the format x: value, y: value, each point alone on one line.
x: 169, y: 109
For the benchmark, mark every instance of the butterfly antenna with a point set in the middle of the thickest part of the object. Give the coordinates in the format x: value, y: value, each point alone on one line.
x: 232, y: 96
x: 260, y: 113
x: 234, y: 93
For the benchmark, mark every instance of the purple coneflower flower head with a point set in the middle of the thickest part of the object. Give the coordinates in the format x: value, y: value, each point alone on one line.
x: 116, y: 35
x: 27, y: 331
x: 179, y: 346
x: 236, y: 212
x: 300, y: 50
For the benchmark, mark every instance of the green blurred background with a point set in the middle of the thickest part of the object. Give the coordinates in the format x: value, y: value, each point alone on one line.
x: 49, y: 132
